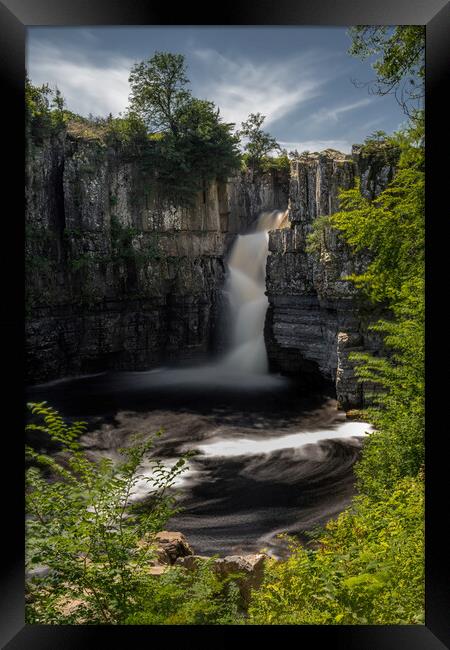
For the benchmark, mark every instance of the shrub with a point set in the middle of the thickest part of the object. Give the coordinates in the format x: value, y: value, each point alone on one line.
x: 82, y: 527
x: 316, y: 239
x: 369, y: 568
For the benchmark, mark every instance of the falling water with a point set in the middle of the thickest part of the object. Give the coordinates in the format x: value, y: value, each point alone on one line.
x: 245, y: 287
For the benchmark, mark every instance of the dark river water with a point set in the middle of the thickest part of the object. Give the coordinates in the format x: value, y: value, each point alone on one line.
x: 270, y: 458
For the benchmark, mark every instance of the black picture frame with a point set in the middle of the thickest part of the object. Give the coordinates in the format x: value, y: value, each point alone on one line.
x: 15, y: 16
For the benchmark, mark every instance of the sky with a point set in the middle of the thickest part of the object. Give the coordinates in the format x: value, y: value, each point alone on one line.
x: 300, y: 78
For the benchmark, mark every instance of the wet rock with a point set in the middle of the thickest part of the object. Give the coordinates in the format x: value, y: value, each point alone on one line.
x: 37, y: 572
x: 157, y: 570
x: 251, y: 568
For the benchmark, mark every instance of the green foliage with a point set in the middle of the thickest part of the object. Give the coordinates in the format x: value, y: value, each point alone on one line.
x: 279, y: 163
x: 204, y: 149
x: 45, y: 113
x: 398, y: 411
x: 123, y: 246
x: 391, y: 229
x: 189, y: 144
x: 399, y: 63
x: 158, y: 91
x: 259, y: 143
x: 84, y: 261
x: 194, y: 597
x: 369, y: 568
x: 383, y: 149
x: 82, y: 526
x: 122, y: 240
x: 316, y: 239
x: 126, y: 130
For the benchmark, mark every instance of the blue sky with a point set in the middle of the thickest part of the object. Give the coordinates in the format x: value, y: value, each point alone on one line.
x: 299, y: 77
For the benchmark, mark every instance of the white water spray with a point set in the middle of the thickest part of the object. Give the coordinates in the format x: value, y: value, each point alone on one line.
x: 245, y: 286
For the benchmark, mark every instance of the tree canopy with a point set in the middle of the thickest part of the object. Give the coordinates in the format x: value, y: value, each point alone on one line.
x: 158, y: 91
x: 190, y: 144
x: 399, y: 63
x: 259, y: 143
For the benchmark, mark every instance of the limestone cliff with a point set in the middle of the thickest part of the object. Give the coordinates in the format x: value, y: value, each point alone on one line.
x: 117, y: 276
x: 315, y: 317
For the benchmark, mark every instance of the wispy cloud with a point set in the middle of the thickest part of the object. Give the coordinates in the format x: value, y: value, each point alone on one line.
x: 240, y: 86
x: 334, y: 114
x: 344, y: 146
x: 97, y: 87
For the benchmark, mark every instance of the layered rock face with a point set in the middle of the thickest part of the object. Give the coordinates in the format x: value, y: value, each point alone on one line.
x: 315, y: 318
x: 119, y: 278
x: 250, y: 194
x: 116, y: 276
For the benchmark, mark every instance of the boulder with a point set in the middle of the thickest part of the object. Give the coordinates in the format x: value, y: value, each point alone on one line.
x: 191, y: 561
x: 171, y: 546
x: 248, y: 569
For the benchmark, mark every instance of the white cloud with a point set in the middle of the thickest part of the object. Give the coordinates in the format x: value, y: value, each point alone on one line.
x: 240, y: 87
x: 344, y: 146
x: 87, y: 86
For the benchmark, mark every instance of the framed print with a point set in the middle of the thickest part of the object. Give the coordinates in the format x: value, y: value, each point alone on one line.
x: 218, y: 323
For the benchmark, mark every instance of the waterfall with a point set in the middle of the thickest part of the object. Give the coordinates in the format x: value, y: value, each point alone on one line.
x: 245, y: 287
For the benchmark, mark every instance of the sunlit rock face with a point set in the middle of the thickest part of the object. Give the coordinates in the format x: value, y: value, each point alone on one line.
x: 315, y: 318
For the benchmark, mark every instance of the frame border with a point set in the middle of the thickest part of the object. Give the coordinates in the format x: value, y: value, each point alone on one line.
x: 15, y: 17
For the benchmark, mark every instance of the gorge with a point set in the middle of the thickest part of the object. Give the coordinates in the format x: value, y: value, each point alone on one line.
x: 163, y: 316
x: 117, y: 278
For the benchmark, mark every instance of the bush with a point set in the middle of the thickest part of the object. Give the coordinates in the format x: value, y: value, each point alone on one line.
x: 391, y: 228
x: 82, y: 527
x: 316, y: 239
x: 194, y: 597
x: 368, y: 570
x: 398, y: 412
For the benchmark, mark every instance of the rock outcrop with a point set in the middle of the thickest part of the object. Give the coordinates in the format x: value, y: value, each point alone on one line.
x: 246, y: 571
x: 172, y: 546
x: 315, y: 317
x: 249, y: 194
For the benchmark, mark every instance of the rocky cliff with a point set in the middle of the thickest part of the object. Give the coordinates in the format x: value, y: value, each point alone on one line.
x: 315, y: 317
x: 117, y: 276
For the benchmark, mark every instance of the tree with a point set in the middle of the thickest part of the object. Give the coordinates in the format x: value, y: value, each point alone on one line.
x: 45, y: 111
x: 210, y: 145
x: 190, y: 144
x: 158, y: 91
x: 400, y: 62
x: 259, y: 143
